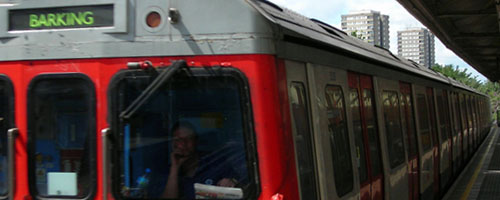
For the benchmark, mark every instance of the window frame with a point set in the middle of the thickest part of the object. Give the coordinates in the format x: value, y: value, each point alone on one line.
x: 247, y: 116
x: 310, y: 141
x: 10, y: 123
x: 394, y: 163
x: 92, y: 137
x: 332, y: 143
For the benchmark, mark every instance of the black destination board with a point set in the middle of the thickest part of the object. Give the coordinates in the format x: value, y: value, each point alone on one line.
x: 61, y: 18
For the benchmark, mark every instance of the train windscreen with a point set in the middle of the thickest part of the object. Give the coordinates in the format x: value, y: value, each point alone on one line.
x: 191, y: 139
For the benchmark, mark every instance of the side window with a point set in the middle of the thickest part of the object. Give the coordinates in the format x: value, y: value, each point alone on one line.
x: 303, y: 140
x: 443, y: 120
x: 423, y: 118
x: 339, y: 140
x: 409, y: 122
x: 469, y: 113
x: 61, y: 136
x: 463, y: 113
x: 371, y: 127
x: 6, y: 122
x: 358, y: 134
x: 393, y: 128
x: 456, y: 106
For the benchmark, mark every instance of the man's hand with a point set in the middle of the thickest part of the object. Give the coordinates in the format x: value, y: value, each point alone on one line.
x: 177, y: 159
x: 226, y: 182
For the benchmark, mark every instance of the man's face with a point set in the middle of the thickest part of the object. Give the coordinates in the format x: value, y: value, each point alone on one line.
x: 184, y: 142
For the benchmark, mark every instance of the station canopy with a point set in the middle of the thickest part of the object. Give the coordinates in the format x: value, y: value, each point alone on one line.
x: 470, y: 28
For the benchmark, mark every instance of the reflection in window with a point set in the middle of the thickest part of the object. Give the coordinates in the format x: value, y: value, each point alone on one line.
x: 423, y: 118
x: 5, y: 122
x: 409, y: 122
x: 464, y: 115
x: 373, y: 137
x: 393, y: 128
x: 339, y: 140
x: 61, y: 126
x: 443, y: 117
x: 192, y: 134
x: 303, y: 141
x: 456, y: 115
x: 358, y: 134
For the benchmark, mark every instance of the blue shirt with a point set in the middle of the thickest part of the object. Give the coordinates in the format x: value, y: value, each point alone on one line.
x: 211, y: 169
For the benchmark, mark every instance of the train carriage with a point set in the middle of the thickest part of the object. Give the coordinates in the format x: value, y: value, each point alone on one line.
x: 244, y: 99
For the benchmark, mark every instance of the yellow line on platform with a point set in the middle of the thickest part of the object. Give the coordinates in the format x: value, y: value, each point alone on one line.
x: 476, y: 172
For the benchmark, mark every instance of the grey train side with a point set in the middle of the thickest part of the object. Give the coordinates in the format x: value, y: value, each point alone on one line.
x: 457, y: 119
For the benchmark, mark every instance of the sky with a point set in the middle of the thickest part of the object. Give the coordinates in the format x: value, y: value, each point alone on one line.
x: 329, y: 11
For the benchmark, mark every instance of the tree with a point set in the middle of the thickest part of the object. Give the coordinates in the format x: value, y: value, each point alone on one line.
x: 492, y: 89
x: 356, y: 35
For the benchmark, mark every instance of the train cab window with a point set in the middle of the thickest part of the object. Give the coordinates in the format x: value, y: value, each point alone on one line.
x: 61, y: 136
x: 191, y: 138
x: 339, y: 140
x: 6, y: 122
x: 303, y: 141
x: 393, y: 129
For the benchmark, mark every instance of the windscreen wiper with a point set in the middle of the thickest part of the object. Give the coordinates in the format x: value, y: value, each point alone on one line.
x: 152, y: 88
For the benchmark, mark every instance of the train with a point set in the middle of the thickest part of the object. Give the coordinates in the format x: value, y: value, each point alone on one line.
x: 238, y: 99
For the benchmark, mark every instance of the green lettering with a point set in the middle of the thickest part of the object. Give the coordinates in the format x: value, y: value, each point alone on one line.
x: 43, y: 20
x: 51, y: 20
x: 76, y: 18
x: 87, y: 17
x: 60, y: 19
x: 70, y: 19
x: 34, y: 21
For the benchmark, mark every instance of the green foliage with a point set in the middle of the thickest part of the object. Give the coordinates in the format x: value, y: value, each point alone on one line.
x: 492, y: 89
x: 355, y: 34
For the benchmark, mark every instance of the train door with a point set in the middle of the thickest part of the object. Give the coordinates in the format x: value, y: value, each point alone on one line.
x: 425, y: 142
x: 461, y: 128
x: 336, y: 163
x: 472, y: 120
x: 435, y: 137
x: 455, y: 133
x: 366, y: 135
x: 411, y: 137
x: 392, y: 138
x: 465, y: 126
x: 298, y: 94
x: 472, y: 125
x: 476, y: 121
x: 444, y: 136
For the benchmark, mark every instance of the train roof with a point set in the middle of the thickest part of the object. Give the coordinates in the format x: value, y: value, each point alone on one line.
x: 244, y: 27
x: 316, y: 30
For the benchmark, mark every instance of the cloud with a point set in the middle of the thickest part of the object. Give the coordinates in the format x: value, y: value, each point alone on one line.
x: 327, y: 11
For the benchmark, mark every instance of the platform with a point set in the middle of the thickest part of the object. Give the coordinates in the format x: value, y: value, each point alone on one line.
x: 480, y: 179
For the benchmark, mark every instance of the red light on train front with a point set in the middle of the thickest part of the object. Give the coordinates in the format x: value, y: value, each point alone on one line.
x: 153, y: 19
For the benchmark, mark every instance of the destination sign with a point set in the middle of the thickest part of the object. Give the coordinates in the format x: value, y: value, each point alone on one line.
x: 61, y: 18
